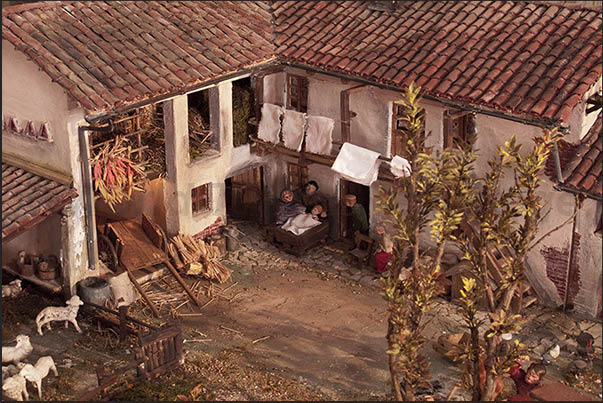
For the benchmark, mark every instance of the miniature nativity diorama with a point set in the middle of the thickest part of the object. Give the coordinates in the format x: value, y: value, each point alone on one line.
x: 156, y: 155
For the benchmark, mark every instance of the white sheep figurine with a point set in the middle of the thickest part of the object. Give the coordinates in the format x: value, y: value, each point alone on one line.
x: 54, y: 313
x: 12, y: 289
x: 15, y: 388
x: 39, y: 372
x: 17, y: 353
x: 11, y: 370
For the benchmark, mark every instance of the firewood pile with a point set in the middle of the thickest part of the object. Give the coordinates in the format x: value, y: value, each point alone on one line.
x: 195, y: 257
x: 115, y: 175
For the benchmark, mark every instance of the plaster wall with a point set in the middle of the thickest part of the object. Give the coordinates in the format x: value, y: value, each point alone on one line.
x: 183, y: 175
x: 579, y: 122
x: 589, y: 258
x: 150, y: 202
x: 35, y: 241
x: 274, y: 89
x: 28, y: 94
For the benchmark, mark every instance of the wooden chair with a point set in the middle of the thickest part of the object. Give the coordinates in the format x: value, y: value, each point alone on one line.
x: 361, y: 254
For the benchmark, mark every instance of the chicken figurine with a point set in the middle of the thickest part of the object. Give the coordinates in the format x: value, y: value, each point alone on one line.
x: 552, y: 354
x: 585, y: 348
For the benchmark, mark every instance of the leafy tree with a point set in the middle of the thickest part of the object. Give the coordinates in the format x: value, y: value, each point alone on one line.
x: 435, y: 192
x: 506, y: 218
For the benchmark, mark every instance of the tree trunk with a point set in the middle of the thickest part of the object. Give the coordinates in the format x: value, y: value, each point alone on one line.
x: 477, y: 383
x: 395, y: 380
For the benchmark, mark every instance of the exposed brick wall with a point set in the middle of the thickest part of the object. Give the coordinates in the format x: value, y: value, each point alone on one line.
x: 212, y: 229
x: 556, y: 268
x: 567, y: 152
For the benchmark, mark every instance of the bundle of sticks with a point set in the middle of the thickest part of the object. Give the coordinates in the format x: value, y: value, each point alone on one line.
x: 197, y: 257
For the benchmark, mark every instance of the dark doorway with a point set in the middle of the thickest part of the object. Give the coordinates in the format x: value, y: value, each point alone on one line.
x: 363, y: 195
x: 245, y: 197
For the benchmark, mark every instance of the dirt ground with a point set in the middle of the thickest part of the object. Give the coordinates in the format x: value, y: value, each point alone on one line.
x: 283, y: 328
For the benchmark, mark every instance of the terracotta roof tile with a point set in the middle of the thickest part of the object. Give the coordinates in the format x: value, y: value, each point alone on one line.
x: 116, y: 53
x: 583, y: 171
x: 28, y: 199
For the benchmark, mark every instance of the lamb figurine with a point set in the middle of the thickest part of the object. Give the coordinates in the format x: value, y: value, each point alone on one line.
x: 11, y: 370
x: 53, y: 313
x: 39, y: 372
x: 12, y: 289
x: 17, y: 353
x: 15, y: 388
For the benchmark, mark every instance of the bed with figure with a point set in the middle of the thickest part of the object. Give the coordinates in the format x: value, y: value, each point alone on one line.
x: 298, y: 227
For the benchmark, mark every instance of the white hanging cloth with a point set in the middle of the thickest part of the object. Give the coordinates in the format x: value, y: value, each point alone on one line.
x: 300, y: 223
x: 357, y: 164
x: 270, y: 123
x: 293, y: 129
x: 400, y: 166
x: 319, y: 135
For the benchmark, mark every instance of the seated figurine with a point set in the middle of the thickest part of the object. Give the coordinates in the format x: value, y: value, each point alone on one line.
x: 288, y: 208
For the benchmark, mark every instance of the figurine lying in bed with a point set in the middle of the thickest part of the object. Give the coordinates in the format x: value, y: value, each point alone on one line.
x: 288, y: 208
x: 303, y: 222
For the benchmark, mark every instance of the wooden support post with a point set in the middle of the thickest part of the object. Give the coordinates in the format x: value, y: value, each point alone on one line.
x: 144, y: 294
x: 123, y: 331
x: 182, y: 283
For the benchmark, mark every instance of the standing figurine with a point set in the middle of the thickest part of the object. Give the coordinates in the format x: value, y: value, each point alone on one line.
x: 359, y: 218
x: 384, y: 250
x: 53, y: 313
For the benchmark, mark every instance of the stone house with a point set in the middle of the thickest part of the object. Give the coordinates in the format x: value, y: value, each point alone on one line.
x: 502, y: 69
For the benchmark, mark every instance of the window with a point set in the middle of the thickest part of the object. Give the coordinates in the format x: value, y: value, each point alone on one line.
x: 297, y: 175
x: 399, y: 128
x: 458, y: 126
x: 202, y: 142
x: 297, y: 93
x: 200, y: 198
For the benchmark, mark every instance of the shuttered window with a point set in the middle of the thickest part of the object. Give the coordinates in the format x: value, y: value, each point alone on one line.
x: 297, y: 93
x: 399, y: 129
x: 200, y: 197
x: 297, y: 175
x: 458, y: 126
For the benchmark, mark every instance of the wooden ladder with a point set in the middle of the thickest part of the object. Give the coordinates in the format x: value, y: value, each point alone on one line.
x: 495, y: 260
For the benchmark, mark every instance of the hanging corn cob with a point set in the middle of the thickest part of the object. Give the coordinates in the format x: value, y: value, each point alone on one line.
x: 115, y: 175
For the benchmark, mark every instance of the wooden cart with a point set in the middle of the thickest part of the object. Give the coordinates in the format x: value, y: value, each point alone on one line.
x: 299, y: 244
x: 132, y: 246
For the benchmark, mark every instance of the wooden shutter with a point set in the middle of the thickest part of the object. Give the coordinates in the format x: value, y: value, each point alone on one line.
x: 200, y: 198
x: 399, y: 129
x: 458, y: 126
x: 297, y: 93
x: 297, y: 175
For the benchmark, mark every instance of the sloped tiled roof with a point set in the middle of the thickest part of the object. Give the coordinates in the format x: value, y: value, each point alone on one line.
x: 28, y: 199
x: 529, y: 59
x: 584, y: 173
x: 109, y: 53
x: 534, y: 60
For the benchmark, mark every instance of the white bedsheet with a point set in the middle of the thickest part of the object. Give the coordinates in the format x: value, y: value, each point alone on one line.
x: 357, y: 164
x: 293, y: 129
x: 300, y: 223
x: 319, y: 135
x: 270, y: 123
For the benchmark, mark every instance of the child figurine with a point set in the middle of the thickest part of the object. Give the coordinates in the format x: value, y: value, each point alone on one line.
x: 526, y: 381
x: 385, y: 247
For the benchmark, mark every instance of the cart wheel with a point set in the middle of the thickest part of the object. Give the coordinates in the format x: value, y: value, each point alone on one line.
x: 107, y: 253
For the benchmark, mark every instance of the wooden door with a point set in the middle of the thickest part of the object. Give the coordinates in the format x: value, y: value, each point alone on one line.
x: 362, y: 193
x: 246, y: 196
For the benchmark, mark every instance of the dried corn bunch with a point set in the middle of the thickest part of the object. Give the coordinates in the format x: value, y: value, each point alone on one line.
x: 115, y: 176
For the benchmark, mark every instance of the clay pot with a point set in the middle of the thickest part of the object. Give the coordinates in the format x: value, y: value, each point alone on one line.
x: 46, y: 272
x: 94, y: 290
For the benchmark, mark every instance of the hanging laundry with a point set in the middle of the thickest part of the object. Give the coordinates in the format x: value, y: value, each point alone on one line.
x: 270, y: 123
x: 400, y: 166
x: 293, y: 129
x: 319, y: 135
x: 357, y: 164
